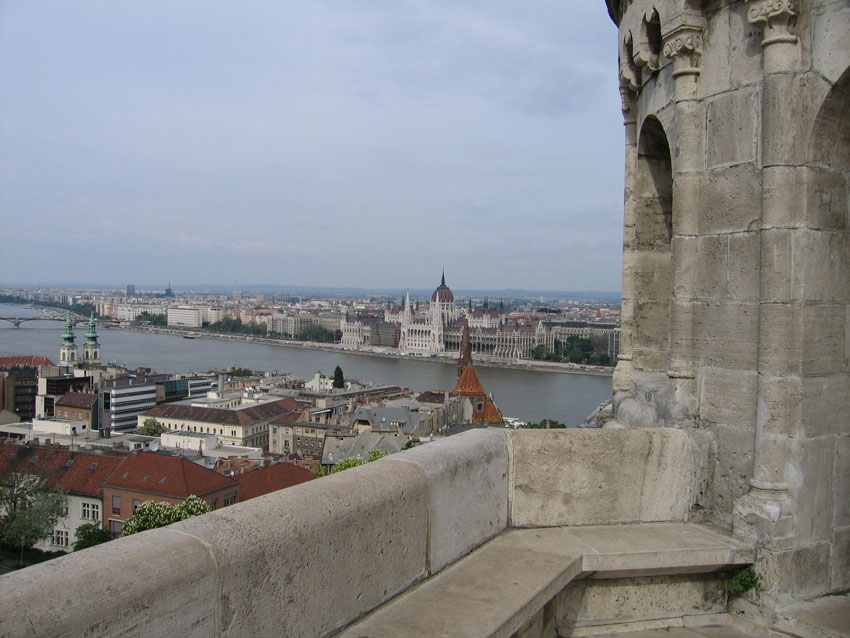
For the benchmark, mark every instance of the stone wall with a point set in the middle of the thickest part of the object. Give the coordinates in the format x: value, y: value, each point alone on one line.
x: 309, y: 559
x: 738, y: 321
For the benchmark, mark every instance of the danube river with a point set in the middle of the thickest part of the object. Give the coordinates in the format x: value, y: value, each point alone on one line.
x: 525, y: 394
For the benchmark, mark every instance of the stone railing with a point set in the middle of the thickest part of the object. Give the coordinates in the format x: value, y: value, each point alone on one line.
x: 311, y: 559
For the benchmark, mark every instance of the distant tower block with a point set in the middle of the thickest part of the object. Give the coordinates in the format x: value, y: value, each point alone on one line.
x: 131, y: 290
x: 91, y: 349
x: 68, y: 350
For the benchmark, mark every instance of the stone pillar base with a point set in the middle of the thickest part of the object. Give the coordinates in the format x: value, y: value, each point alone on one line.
x: 763, y: 517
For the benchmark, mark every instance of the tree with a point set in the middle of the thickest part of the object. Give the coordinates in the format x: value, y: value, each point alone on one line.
x: 347, y: 464
x: 539, y: 352
x: 153, y: 514
x: 31, y: 502
x: 339, y: 379
x: 375, y: 454
x: 151, y: 427
x: 89, y: 535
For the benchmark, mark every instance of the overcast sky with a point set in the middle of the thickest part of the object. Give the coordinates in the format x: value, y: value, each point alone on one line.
x: 365, y: 143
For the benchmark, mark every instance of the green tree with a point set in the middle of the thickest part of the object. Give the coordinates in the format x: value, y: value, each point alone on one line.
x: 30, y: 503
x: 539, y: 352
x: 153, y: 514
x: 155, y: 320
x: 89, y: 535
x: 151, y: 427
x: 241, y: 372
x: 339, y: 379
x: 347, y: 464
x: 375, y: 454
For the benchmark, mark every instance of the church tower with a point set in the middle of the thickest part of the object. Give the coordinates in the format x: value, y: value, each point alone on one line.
x: 91, y: 349
x: 68, y: 351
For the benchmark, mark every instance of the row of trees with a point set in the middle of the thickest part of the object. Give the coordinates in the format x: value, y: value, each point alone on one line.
x: 86, y: 309
x: 154, y: 320
x: 574, y: 350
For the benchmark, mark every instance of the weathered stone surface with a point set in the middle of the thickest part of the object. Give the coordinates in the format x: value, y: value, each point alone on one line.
x: 742, y: 266
x: 588, y: 603
x: 840, y: 559
x: 826, y: 404
x: 827, y: 617
x: 826, y: 199
x: 155, y: 579
x: 729, y: 396
x: 822, y: 327
x: 711, y: 267
x: 821, y: 265
x: 801, y: 573
x: 492, y: 592
x: 733, y: 121
x: 841, y: 482
x: 310, y: 558
x: 468, y: 480
x: 811, y: 482
x: 832, y: 24
x: 726, y: 334
x: 581, y: 477
x: 733, y: 468
x: 730, y: 201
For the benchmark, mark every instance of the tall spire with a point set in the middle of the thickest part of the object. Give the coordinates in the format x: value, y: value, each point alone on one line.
x: 91, y: 335
x: 68, y: 336
x: 443, y: 278
x: 465, y: 358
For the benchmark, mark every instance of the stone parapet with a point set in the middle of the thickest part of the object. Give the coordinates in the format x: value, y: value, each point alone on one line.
x: 311, y: 559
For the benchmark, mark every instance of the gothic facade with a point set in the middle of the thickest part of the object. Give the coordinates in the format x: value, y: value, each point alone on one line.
x: 736, y: 264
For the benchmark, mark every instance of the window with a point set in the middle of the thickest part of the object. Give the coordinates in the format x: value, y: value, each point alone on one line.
x: 230, y: 499
x: 115, y: 527
x: 60, y: 537
x: 214, y: 504
x: 91, y: 511
x: 136, y: 503
x: 116, y: 504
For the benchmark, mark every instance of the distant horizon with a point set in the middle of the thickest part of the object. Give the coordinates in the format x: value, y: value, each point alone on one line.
x: 295, y: 289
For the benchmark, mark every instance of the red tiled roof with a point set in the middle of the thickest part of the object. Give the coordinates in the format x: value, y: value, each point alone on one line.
x: 224, y: 416
x: 270, y: 479
x: 75, y: 472
x: 88, y: 472
x: 77, y: 400
x: 166, y: 475
x: 468, y: 384
x: 491, y: 413
x: 30, y: 360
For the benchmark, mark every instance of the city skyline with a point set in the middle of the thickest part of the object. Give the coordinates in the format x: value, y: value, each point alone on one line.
x: 352, y: 145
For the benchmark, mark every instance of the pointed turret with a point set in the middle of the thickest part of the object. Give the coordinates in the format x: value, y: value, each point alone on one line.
x: 68, y: 336
x: 91, y: 349
x: 465, y: 358
x: 68, y: 350
x: 91, y: 334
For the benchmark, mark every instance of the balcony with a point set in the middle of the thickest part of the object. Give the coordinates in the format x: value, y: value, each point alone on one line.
x: 488, y: 533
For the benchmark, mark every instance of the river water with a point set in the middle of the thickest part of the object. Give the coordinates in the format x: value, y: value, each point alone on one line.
x: 525, y: 394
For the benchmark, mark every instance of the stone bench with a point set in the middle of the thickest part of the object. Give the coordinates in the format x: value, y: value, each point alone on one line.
x: 507, y: 584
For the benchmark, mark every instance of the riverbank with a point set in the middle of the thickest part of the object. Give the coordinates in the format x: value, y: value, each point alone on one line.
x: 480, y: 360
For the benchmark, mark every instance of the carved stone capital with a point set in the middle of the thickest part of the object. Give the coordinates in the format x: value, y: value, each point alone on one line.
x: 684, y: 47
x: 776, y: 18
x: 627, y: 103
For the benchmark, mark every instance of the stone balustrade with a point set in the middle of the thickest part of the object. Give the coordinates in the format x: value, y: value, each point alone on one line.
x: 312, y: 559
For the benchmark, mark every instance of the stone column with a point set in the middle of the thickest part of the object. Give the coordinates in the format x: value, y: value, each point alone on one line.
x: 764, y: 513
x: 683, y: 45
x: 623, y: 371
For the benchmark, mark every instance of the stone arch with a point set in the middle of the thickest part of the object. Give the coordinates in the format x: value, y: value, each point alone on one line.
x: 653, y: 206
